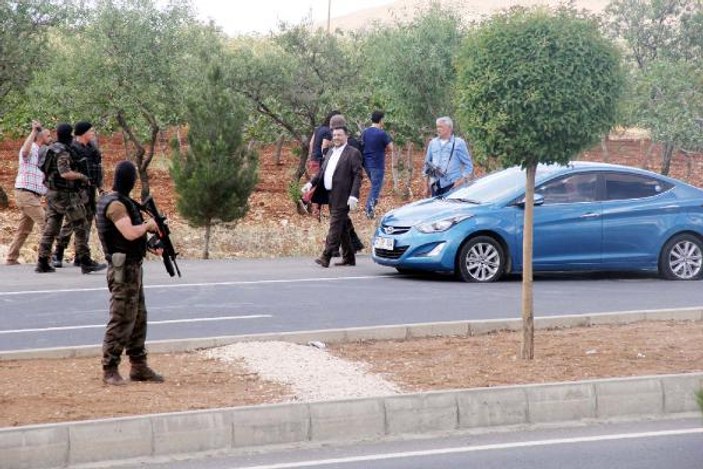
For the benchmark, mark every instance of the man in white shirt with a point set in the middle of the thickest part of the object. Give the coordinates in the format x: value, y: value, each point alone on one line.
x: 29, y: 189
x: 340, y: 178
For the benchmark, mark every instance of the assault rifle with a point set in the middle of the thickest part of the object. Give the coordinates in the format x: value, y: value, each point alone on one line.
x: 162, y: 239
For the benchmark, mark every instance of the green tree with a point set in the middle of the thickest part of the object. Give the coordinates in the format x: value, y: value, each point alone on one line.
x: 216, y: 175
x: 125, y: 64
x: 294, y: 78
x: 536, y: 87
x: 664, y: 42
x: 24, y: 27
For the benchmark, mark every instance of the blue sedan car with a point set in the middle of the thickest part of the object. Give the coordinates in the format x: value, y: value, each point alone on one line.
x: 587, y: 217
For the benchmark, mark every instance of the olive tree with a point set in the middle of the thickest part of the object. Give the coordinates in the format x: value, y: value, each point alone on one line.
x: 124, y: 64
x: 536, y: 86
x: 663, y: 40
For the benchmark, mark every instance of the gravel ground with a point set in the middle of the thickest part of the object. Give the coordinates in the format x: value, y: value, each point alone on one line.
x: 312, y: 373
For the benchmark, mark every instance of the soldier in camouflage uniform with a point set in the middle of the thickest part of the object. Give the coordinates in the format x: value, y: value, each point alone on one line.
x: 123, y: 235
x: 64, y: 199
x: 91, y: 164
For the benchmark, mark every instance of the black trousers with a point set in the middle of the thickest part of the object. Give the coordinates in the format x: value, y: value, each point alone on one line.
x: 339, y: 234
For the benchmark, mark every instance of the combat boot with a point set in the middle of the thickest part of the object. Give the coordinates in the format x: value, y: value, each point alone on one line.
x: 57, y: 258
x: 43, y: 266
x: 112, y: 376
x: 88, y: 265
x: 141, y: 372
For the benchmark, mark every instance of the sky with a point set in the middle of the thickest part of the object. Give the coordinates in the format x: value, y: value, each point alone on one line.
x: 262, y: 16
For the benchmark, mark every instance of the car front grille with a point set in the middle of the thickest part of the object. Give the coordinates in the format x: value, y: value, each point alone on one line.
x: 394, y: 230
x: 391, y: 254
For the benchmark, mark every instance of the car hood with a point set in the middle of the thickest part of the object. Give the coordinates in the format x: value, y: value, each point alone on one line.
x: 428, y: 210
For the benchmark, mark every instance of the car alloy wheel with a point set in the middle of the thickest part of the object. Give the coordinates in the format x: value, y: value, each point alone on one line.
x: 682, y: 258
x: 481, y: 260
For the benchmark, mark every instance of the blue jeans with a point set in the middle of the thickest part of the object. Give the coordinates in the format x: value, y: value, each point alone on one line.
x: 376, y: 178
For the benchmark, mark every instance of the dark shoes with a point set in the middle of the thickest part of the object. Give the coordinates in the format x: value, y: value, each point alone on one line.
x: 88, y: 265
x: 43, y: 266
x: 322, y: 262
x: 112, y: 377
x: 349, y: 262
x: 142, y: 372
x: 57, y: 258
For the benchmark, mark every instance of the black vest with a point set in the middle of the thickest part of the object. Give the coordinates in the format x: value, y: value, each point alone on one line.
x: 110, y: 237
x: 54, y: 181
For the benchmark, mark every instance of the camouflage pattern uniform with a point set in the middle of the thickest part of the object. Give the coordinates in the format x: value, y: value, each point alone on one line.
x: 64, y: 199
x: 90, y: 161
x: 126, y: 328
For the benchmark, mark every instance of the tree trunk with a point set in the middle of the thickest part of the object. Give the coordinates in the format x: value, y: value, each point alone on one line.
x: 528, y: 328
x: 394, y: 168
x: 604, y: 148
x: 303, y: 159
x: 408, y: 167
x: 4, y: 201
x: 206, y: 247
x: 279, y: 149
x: 139, y: 152
x: 667, y: 154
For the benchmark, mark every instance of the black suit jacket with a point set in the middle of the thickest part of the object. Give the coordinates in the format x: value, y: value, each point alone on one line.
x: 346, y: 180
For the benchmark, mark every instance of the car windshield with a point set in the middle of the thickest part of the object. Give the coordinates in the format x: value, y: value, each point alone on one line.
x: 497, y: 185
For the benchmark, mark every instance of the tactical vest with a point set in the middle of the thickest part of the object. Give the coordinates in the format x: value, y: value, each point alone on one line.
x: 53, y: 180
x: 110, y: 237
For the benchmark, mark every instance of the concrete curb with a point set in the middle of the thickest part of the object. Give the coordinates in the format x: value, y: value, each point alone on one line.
x: 71, y: 443
x: 392, y: 332
x: 53, y: 445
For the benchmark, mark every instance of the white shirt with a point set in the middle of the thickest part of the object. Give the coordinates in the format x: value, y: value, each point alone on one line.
x: 332, y: 165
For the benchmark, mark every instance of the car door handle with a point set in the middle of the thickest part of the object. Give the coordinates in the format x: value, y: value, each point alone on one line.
x: 590, y: 215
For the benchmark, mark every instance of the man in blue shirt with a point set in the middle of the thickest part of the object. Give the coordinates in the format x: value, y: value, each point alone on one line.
x: 448, y: 161
x: 375, y: 142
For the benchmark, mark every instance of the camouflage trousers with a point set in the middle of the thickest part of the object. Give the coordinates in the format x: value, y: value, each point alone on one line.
x: 126, y: 327
x: 68, y: 205
x: 64, y: 237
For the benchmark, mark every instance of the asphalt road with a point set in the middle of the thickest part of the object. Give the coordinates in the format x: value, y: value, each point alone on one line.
x: 218, y: 297
x: 632, y: 445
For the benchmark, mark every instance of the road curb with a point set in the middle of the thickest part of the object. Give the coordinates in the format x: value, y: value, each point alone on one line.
x: 101, y: 441
x: 392, y: 332
x: 98, y: 441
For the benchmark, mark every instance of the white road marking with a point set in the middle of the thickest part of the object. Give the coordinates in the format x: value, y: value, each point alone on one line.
x: 151, y: 323
x: 186, y: 285
x: 471, y: 449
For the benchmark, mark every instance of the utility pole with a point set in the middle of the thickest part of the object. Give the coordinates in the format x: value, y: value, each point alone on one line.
x: 329, y: 13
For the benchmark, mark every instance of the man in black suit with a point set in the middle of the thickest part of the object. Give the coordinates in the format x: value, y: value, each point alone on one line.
x: 340, y: 177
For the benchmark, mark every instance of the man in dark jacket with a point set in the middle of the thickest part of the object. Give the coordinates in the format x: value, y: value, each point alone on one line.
x: 340, y: 178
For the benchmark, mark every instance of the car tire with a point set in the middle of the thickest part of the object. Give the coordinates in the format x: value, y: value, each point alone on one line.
x: 681, y: 258
x: 482, y: 260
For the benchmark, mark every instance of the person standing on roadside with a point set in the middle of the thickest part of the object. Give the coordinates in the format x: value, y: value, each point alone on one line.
x: 29, y: 189
x: 340, y: 178
x: 448, y: 161
x: 375, y: 142
x: 123, y: 235
x: 319, y: 143
x: 85, y: 146
x: 64, y: 179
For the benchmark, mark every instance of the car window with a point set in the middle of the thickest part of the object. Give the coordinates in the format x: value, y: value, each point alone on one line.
x: 620, y: 186
x: 499, y: 184
x: 569, y: 189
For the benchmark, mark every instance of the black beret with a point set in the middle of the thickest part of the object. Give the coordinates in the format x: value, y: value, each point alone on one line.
x: 82, y: 127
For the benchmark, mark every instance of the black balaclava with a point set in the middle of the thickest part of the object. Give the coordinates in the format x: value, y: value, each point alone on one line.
x: 63, y: 133
x: 125, y: 177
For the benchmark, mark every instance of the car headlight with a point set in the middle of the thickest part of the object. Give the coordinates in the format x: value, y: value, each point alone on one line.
x: 441, y: 225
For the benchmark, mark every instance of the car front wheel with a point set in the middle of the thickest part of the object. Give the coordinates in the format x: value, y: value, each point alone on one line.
x: 481, y: 260
x: 682, y: 258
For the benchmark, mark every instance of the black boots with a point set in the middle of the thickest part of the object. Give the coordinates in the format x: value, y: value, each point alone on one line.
x: 43, y: 266
x: 112, y: 376
x: 141, y: 372
x: 88, y: 265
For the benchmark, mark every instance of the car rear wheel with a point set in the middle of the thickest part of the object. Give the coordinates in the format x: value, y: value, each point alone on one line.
x: 481, y: 260
x: 682, y: 258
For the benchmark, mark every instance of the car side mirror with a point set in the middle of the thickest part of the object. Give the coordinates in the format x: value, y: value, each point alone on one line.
x: 538, y: 200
